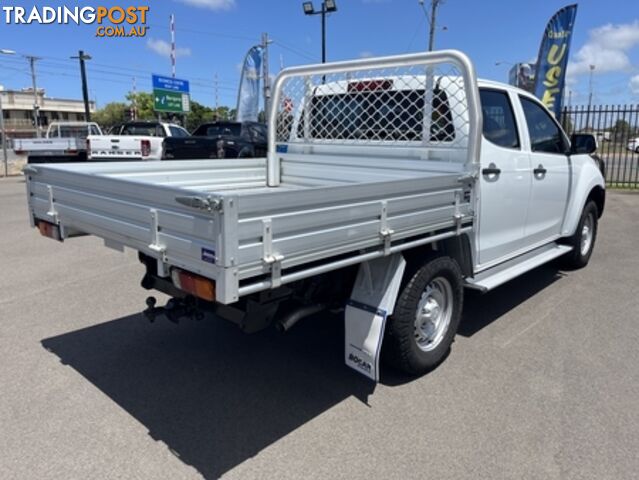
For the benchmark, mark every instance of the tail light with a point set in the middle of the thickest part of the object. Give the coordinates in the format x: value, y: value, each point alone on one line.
x: 49, y: 230
x: 196, y: 285
x: 145, y: 147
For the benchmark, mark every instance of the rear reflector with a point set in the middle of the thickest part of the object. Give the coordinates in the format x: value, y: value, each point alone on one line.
x: 49, y: 230
x: 196, y: 285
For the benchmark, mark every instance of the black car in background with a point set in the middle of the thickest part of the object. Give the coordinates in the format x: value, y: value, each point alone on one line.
x: 219, y: 140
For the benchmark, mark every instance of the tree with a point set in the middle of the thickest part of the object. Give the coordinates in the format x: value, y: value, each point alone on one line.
x: 144, y: 105
x: 198, y: 115
x: 110, y: 114
x: 621, y: 130
x: 224, y: 113
x: 117, y: 112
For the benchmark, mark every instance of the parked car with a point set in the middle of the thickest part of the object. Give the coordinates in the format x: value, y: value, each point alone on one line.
x: 634, y: 145
x: 63, y: 142
x: 133, y: 141
x: 362, y: 203
x: 219, y: 140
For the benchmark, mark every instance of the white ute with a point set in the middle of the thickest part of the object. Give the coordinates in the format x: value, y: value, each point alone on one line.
x: 63, y: 142
x: 136, y: 140
x: 391, y: 185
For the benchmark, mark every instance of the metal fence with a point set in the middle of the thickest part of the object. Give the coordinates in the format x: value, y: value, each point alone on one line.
x: 617, y: 130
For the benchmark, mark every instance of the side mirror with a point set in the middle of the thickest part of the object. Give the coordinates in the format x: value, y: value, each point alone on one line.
x: 583, y: 143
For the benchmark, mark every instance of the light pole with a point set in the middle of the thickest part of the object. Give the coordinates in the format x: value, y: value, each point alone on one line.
x: 85, y: 89
x: 32, y: 59
x: 4, y: 139
x: 265, y: 75
x: 36, y: 107
x: 431, y: 21
x: 328, y: 6
x: 592, y: 69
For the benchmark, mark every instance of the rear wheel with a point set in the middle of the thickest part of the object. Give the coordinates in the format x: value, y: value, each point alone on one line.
x: 583, y: 240
x: 427, y: 314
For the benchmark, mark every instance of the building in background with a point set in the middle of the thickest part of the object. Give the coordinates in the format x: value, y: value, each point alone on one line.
x: 17, y: 106
x: 522, y: 75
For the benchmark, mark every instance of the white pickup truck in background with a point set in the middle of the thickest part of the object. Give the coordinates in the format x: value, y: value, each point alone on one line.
x: 63, y: 142
x: 133, y: 141
x: 390, y: 185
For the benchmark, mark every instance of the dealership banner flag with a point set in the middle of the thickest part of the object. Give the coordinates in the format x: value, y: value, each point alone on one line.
x: 248, y: 97
x: 550, y: 76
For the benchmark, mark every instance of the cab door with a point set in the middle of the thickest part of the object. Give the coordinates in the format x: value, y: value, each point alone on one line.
x: 551, y: 169
x: 505, y: 180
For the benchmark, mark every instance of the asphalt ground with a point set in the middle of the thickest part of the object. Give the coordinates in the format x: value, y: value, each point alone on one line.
x: 542, y: 381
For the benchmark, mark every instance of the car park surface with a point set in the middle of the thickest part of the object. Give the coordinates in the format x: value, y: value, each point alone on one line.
x: 543, y: 381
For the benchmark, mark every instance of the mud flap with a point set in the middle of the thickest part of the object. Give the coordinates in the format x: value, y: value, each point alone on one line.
x: 372, y: 301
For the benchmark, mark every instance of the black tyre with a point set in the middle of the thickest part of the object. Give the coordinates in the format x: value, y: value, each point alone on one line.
x: 427, y: 313
x: 583, y: 240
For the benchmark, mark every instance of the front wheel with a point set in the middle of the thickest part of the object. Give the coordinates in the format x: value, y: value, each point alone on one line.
x: 583, y: 240
x: 427, y: 313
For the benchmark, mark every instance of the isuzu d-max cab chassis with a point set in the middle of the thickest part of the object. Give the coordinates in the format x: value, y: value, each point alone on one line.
x: 390, y: 185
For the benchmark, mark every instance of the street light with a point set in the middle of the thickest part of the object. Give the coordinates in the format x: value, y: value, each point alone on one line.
x: 32, y: 59
x: 431, y: 19
x: 592, y: 70
x: 4, y: 138
x: 85, y: 89
x: 328, y: 6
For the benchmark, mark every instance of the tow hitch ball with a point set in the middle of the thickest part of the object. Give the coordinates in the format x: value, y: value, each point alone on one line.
x: 174, y: 310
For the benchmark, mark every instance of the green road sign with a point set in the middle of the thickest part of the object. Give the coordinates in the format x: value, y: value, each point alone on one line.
x: 167, y: 101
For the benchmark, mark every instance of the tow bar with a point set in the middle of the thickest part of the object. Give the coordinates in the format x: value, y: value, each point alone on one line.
x: 174, y: 310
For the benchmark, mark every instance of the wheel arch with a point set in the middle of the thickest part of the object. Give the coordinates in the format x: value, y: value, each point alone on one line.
x: 457, y: 247
x: 587, y: 184
x: 598, y: 195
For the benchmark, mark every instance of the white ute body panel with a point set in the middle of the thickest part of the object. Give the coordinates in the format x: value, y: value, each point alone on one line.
x: 61, y: 138
x: 128, y: 147
x: 396, y: 160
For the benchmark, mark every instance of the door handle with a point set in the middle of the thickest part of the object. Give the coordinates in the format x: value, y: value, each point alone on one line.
x: 491, y: 170
x: 540, y: 170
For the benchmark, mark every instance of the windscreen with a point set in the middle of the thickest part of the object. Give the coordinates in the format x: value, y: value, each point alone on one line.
x: 70, y: 131
x: 143, y: 130
x: 227, y: 129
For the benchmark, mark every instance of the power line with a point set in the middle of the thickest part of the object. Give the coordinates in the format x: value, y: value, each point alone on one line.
x: 206, y: 32
x: 203, y: 83
x: 297, y: 52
